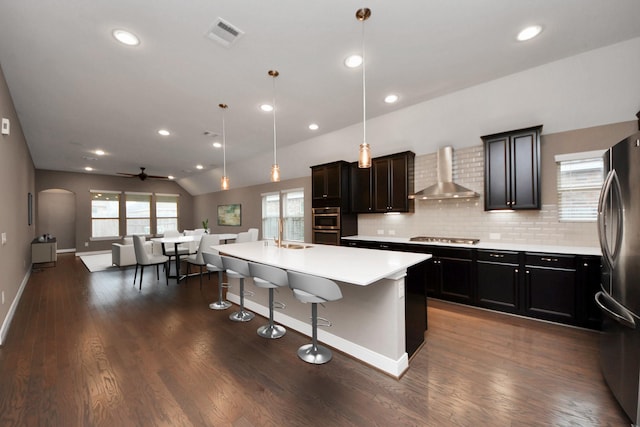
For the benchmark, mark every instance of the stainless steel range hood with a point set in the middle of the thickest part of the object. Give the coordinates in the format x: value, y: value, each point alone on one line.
x: 445, y: 188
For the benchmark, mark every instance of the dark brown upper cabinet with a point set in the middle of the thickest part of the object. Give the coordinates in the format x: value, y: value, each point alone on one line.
x: 330, y: 185
x: 512, y: 169
x: 385, y: 187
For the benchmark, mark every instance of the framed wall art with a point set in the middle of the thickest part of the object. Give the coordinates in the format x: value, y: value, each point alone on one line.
x: 230, y: 214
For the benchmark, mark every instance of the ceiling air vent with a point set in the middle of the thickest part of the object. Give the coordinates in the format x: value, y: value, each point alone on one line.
x: 224, y: 32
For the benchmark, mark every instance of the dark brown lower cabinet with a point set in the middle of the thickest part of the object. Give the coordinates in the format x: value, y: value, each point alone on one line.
x: 498, y: 280
x: 550, y: 287
x: 555, y: 287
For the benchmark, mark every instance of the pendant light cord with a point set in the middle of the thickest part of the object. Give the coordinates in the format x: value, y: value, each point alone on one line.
x: 224, y: 147
x: 364, y: 91
x: 275, y: 159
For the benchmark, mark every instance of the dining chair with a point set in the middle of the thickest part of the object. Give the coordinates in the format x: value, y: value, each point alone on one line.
x: 206, y: 242
x: 143, y: 258
x: 244, y: 236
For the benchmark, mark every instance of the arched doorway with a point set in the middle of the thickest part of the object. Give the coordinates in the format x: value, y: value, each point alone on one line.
x: 57, y: 217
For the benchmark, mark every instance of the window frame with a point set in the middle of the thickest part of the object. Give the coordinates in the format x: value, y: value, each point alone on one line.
x: 100, y: 193
x: 127, y: 217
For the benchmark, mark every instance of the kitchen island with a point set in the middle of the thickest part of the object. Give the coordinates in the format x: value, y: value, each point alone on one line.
x: 368, y: 323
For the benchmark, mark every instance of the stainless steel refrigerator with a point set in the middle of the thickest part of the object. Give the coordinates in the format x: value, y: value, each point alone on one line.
x: 619, y: 298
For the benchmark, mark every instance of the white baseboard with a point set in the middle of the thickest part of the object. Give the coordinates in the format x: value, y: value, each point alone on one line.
x: 12, y: 310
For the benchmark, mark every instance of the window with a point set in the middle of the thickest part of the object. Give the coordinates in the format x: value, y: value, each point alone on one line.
x: 291, y: 204
x: 580, y: 178
x: 138, y: 211
x: 293, y: 215
x: 105, y: 214
x: 166, y: 212
x: 270, y: 215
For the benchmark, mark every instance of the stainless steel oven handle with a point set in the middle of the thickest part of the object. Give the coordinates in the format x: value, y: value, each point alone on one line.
x: 623, y: 317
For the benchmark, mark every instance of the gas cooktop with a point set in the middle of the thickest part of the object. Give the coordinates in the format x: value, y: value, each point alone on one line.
x: 453, y: 240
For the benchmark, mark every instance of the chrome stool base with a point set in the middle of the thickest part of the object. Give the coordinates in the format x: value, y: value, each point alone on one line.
x: 271, y: 331
x: 314, y: 354
x: 241, y: 316
x: 220, y: 305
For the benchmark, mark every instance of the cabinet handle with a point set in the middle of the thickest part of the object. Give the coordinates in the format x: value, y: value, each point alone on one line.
x: 549, y: 259
x: 526, y: 271
x: 496, y: 255
x: 384, y: 246
x: 585, y: 265
x: 516, y: 271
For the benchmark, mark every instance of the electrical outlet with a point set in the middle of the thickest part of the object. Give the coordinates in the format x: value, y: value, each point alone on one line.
x: 86, y: 244
x: 3, y: 297
x: 400, y: 290
x: 494, y: 236
x: 392, y: 232
x: 4, y: 239
x: 380, y: 231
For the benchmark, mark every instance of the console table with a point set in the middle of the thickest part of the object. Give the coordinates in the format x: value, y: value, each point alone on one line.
x: 44, y: 251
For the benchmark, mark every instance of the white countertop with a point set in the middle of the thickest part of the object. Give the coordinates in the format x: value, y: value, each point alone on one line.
x: 345, y: 264
x: 489, y: 244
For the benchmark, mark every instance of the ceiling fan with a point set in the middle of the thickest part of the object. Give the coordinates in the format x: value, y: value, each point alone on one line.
x: 142, y: 175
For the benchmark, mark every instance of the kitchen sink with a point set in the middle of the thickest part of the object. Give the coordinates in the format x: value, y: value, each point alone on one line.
x: 453, y: 240
x: 294, y: 246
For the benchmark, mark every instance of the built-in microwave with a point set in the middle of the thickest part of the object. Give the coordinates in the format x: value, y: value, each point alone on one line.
x: 326, y: 218
x: 326, y: 237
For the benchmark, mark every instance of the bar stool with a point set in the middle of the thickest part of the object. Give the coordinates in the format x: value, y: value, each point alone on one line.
x: 214, y: 263
x: 269, y: 277
x: 238, y: 269
x: 316, y: 290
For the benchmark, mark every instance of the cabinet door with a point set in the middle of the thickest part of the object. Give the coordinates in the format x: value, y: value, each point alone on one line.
x: 333, y: 181
x: 318, y: 187
x: 498, y: 286
x: 360, y: 189
x: 525, y: 190
x: 456, y: 283
x: 550, y: 294
x: 381, y: 184
x: 497, y: 171
x: 399, y: 193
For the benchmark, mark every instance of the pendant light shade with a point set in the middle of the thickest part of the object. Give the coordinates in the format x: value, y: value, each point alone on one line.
x: 275, y: 169
x: 224, y: 181
x: 364, y: 157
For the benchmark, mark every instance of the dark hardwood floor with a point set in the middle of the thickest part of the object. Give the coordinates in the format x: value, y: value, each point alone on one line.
x: 89, y: 349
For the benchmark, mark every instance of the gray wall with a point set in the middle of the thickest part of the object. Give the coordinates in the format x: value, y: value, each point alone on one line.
x: 60, y: 218
x: 17, y: 179
x: 81, y: 183
x: 206, y: 205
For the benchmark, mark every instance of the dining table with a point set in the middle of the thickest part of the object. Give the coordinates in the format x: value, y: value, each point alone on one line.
x: 181, y: 240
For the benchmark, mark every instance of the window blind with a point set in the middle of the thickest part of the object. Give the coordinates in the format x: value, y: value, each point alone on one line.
x: 579, y: 183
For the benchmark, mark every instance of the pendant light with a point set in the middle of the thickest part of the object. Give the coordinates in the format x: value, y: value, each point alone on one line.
x: 275, y: 169
x: 224, y: 181
x: 364, y: 157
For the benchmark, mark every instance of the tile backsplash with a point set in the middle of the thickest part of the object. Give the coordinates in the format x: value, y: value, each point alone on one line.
x: 467, y: 218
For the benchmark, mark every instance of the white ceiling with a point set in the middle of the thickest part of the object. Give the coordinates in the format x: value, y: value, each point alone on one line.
x: 77, y: 90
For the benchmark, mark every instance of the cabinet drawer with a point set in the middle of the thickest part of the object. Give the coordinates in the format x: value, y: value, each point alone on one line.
x: 551, y: 260
x: 505, y: 257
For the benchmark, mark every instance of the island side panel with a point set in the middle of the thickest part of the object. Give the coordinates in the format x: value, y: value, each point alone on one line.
x: 368, y: 323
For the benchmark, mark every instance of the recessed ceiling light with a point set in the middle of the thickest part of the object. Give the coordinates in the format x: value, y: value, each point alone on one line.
x: 266, y: 107
x: 88, y: 168
x: 390, y: 99
x: 199, y: 167
x: 529, y: 33
x: 126, y: 37
x: 217, y: 145
x: 99, y: 152
x: 313, y: 126
x: 164, y: 132
x: 353, y: 61
x: 171, y: 177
